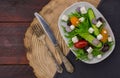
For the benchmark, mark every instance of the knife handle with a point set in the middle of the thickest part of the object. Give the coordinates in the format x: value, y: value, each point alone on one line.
x: 65, y: 61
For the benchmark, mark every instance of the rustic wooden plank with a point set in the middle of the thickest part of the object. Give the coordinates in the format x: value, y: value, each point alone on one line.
x: 12, y: 50
x: 19, y: 10
x: 15, y: 16
x: 16, y: 71
x: 13, y: 60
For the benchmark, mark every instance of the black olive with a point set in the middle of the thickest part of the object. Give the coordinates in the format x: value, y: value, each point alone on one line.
x: 86, y: 47
x: 100, y: 19
x: 69, y: 23
x: 105, y: 48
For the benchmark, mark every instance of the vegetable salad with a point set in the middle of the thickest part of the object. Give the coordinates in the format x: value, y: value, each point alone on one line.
x: 86, y: 33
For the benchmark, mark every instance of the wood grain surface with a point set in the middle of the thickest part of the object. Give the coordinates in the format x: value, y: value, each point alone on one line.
x: 12, y: 50
x: 38, y: 57
x: 16, y: 71
x: 19, y: 10
x: 15, y: 17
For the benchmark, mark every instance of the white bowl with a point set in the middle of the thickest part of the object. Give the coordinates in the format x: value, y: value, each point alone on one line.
x: 97, y: 14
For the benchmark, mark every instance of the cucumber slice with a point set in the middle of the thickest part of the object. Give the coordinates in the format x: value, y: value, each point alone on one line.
x: 91, y: 16
x: 88, y: 37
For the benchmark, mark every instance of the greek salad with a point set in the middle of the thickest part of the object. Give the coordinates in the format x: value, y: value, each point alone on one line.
x: 86, y: 34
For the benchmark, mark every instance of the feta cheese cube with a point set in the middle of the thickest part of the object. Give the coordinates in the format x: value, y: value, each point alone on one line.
x: 99, y: 23
x: 83, y: 10
x: 99, y: 37
x: 81, y: 19
x: 89, y: 50
x: 75, y: 39
x: 64, y: 18
x: 99, y: 56
x: 90, y: 56
x: 91, y: 30
x: 72, y: 27
x: 110, y: 39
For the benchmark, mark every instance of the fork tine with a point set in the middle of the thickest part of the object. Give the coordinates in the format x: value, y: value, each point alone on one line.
x: 34, y: 30
x: 40, y: 31
x: 37, y: 30
x: 40, y: 28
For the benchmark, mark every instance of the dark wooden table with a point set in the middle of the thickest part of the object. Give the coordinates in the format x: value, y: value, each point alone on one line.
x: 15, y: 17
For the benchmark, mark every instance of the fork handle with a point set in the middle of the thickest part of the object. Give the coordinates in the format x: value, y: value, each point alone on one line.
x: 66, y: 62
x: 58, y: 66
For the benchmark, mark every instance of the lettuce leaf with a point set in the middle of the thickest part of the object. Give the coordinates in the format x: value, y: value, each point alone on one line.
x: 76, y: 14
x: 80, y: 54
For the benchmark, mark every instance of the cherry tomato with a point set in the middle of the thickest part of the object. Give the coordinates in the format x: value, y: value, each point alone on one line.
x: 104, y: 33
x: 74, y: 20
x: 81, y: 44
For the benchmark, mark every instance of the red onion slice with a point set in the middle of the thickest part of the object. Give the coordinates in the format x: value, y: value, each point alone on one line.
x: 68, y: 29
x: 78, y: 9
x: 94, y: 21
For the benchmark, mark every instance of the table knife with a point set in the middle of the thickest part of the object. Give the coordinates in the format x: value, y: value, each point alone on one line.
x: 51, y: 36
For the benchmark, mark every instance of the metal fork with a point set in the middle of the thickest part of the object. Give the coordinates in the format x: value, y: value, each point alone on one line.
x: 41, y: 36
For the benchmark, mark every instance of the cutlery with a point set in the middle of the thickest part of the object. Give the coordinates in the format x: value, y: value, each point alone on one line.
x: 41, y: 36
x: 49, y: 33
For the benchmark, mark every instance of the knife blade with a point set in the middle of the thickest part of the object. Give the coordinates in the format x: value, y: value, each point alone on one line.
x: 51, y: 36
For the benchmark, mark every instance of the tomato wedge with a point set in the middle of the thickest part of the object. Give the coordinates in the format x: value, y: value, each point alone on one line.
x: 81, y: 44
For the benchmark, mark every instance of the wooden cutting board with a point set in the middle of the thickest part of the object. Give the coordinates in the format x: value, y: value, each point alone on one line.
x: 38, y: 57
